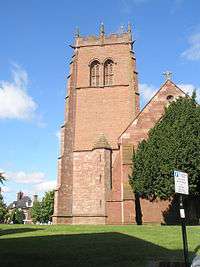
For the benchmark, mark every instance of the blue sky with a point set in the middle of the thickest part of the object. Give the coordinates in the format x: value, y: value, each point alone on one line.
x: 34, y: 56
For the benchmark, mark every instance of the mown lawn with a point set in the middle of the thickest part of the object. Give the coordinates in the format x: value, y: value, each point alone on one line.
x: 24, y: 245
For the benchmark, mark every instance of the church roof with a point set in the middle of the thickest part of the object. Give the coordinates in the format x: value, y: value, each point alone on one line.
x: 102, y: 142
x: 169, y: 86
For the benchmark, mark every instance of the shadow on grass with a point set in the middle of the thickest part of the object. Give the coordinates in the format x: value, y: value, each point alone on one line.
x: 17, y: 230
x: 99, y: 249
x: 192, y: 210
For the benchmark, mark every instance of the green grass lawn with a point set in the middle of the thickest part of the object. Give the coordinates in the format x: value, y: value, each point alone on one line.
x: 24, y: 245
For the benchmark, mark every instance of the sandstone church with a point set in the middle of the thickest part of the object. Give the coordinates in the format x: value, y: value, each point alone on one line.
x: 103, y: 124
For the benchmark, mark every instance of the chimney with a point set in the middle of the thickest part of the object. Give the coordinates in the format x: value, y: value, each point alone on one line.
x: 19, y: 195
x: 35, y: 198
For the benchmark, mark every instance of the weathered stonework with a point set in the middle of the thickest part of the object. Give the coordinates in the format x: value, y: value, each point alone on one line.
x: 91, y: 182
x: 135, y: 132
x: 102, y: 126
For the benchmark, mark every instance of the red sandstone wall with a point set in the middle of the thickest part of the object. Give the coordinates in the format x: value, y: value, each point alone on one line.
x: 119, y: 53
x: 114, y: 212
x: 129, y: 211
x: 136, y: 132
x: 152, y: 112
x: 104, y: 109
x: 63, y: 193
x: 89, y: 112
x: 152, y: 212
x: 91, y: 181
x: 114, y: 200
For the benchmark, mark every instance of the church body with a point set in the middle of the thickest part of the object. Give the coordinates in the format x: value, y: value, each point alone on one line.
x: 103, y: 124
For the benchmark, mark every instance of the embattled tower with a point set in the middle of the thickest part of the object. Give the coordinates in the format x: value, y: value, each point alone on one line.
x: 102, y: 100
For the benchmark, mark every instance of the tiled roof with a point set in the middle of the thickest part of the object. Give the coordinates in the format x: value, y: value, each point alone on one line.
x: 22, y: 203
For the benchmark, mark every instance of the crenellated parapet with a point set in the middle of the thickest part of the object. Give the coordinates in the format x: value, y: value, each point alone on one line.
x: 124, y: 36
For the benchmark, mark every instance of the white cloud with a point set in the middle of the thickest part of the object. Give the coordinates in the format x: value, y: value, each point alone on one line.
x: 26, y: 178
x: 193, y: 52
x: 147, y: 91
x: 29, y: 183
x: 45, y: 186
x: 15, y: 103
x: 5, y: 189
x: 189, y: 88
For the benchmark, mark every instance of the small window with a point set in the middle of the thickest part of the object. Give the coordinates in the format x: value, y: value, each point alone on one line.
x: 170, y: 98
x: 108, y: 72
x: 94, y: 73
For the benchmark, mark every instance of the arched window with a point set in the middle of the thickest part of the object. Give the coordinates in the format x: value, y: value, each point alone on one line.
x: 94, y: 73
x: 108, y: 72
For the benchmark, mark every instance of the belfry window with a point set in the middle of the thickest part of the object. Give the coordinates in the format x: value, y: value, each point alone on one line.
x: 94, y: 73
x: 108, y: 72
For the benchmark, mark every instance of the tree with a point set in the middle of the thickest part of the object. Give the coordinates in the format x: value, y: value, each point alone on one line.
x: 47, y: 206
x: 12, y: 216
x: 2, y: 178
x: 43, y: 211
x: 36, y: 212
x: 3, y: 209
x: 173, y: 144
x: 17, y: 216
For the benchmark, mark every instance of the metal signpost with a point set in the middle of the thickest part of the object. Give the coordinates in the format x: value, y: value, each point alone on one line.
x: 181, y: 187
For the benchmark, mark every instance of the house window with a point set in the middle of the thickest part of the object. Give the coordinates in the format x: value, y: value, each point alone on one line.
x: 94, y: 73
x: 108, y: 72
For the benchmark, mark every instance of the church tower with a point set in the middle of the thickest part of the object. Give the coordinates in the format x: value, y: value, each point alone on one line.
x: 102, y: 99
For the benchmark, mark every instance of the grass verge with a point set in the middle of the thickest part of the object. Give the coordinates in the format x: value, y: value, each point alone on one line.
x: 131, y: 245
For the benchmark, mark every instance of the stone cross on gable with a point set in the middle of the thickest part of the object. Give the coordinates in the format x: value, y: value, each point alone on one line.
x: 168, y: 75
